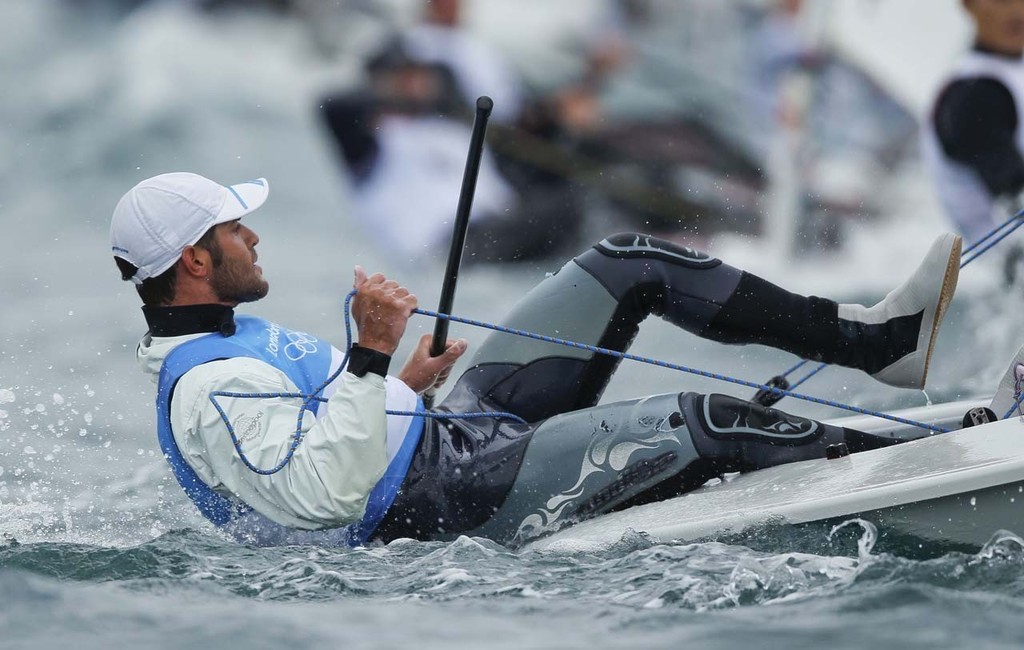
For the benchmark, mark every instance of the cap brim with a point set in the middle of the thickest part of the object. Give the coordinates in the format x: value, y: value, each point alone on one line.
x: 243, y: 198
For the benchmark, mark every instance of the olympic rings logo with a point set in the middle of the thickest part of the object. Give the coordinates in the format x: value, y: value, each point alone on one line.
x: 299, y: 345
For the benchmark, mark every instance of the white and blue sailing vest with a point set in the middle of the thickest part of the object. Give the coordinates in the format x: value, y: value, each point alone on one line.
x: 963, y: 194
x: 308, y: 365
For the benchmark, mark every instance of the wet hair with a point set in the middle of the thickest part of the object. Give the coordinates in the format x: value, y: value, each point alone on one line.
x: 159, y: 291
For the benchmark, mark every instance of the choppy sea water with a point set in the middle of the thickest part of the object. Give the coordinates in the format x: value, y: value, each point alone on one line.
x: 98, y: 547
x: 187, y: 588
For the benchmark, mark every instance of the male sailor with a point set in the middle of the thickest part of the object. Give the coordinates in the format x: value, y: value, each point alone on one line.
x: 357, y: 474
x: 975, y: 139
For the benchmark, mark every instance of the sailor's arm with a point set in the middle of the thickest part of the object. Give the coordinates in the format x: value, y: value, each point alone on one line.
x: 342, y: 455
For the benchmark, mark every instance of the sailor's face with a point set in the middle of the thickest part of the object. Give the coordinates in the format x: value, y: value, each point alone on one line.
x: 236, y: 277
x: 1000, y: 24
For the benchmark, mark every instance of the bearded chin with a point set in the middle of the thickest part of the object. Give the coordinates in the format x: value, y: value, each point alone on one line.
x: 252, y: 293
x: 256, y: 291
x: 231, y: 289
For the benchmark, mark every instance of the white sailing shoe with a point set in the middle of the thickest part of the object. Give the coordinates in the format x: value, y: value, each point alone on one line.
x: 927, y: 293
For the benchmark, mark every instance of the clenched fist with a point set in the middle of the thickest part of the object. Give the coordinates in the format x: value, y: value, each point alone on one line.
x: 381, y: 310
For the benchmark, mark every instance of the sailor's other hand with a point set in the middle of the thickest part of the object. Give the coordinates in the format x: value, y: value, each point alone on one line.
x: 423, y: 372
x: 380, y: 309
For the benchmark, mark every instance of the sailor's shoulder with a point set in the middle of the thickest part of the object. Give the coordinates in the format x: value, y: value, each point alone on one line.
x: 152, y: 351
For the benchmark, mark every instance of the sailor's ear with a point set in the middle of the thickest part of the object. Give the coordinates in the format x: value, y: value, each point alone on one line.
x: 196, y: 262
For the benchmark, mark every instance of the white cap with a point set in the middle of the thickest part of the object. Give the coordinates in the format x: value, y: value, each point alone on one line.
x: 159, y: 217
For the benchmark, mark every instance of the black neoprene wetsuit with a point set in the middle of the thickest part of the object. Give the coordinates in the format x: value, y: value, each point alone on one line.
x: 575, y: 459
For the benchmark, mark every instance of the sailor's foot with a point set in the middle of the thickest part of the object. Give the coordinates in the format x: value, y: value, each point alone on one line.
x: 919, y: 303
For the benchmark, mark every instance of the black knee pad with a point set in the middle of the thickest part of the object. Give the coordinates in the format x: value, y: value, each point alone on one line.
x: 725, y: 418
x: 627, y: 245
x: 741, y: 436
x: 658, y: 271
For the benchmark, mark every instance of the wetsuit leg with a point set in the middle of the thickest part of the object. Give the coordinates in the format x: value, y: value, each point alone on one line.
x: 600, y: 298
x: 512, y: 482
x: 596, y: 299
x: 587, y: 462
x: 609, y: 457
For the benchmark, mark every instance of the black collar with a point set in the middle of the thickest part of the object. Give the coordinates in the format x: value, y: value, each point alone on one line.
x: 984, y: 49
x: 191, y: 319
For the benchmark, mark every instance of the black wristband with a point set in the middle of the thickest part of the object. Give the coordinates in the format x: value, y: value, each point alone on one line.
x: 364, y: 360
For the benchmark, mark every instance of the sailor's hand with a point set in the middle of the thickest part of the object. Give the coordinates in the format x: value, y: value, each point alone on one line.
x: 423, y: 372
x: 380, y: 309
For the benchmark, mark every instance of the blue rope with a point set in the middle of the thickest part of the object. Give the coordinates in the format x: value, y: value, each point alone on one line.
x: 1013, y: 223
x: 803, y: 379
x: 820, y: 367
x: 1017, y: 223
x: 1014, y: 407
x: 296, y: 437
x: 798, y: 366
x: 681, y: 368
